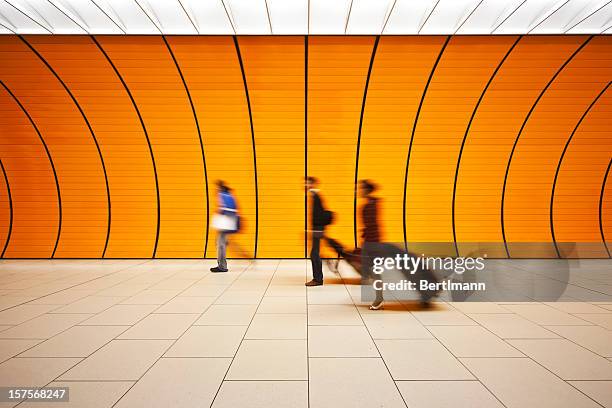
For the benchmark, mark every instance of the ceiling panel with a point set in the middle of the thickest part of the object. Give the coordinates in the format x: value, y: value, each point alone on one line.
x: 286, y: 17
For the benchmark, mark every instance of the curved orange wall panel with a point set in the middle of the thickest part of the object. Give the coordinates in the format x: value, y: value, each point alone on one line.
x: 5, y: 211
x: 84, y: 223
x: 465, y: 66
x: 488, y: 143
x: 33, y: 189
x: 337, y: 70
x: 399, y: 75
x: 212, y: 72
x: 147, y: 67
x: 122, y: 140
x: 583, y: 167
x: 532, y: 167
x: 274, y: 70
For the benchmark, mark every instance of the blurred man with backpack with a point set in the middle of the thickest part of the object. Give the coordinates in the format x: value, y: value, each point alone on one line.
x: 318, y: 220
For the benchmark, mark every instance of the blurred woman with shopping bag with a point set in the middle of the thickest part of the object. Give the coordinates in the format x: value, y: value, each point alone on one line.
x: 226, y: 221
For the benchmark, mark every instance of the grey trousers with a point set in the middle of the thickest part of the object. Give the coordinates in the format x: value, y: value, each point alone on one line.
x: 221, y: 248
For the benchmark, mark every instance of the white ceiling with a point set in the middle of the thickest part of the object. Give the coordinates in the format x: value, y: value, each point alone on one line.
x: 305, y: 16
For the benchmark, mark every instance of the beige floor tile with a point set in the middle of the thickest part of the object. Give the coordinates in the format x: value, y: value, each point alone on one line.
x: 328, y: 295
x: 62, y: 298
x: 287, y: 290
x: 352, y: 383
x: 160, y: 326
x: 187, y: 304
x: 262, y: 394
x: 270, y: 360
x: 473, y: 341
x: 219, y: 315
x: 124, y: 289
x: 77, y: 341
x: 566, y: 359
x: 447, y: 394
x: 401, y: 325
x: 204, y: 290
x: 334, y: 315
x: 12, y: 347
x: 282, y: 304
x: 277, y: 326
x: 174, y: 283
x: 595, y: 338
x: 512, y: 326
x: 33, y: 371
x: 124, y: 360
x: 90, y: 304
x: 600, y: 391
x: 208, y: 341
x: 601, y: 319
x: 177, y: 383
x: 246, y: 297
x: 86, y: 394
x: 340, y: 341
x: 22, y: 313
x: 443, y: 318
x: 151, y: 297
x: 479, y: 307
x: 521, y: 383
x: 545, y: 315
x: 43, y: 327
x: 120, y: 315
x: 577, y: 307
x: 421, y: 360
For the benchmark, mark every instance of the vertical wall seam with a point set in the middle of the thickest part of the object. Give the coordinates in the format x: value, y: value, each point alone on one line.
x: 414, y: 126
x: 363, y: 105
x: 10, y: 200
x: 248, y: 100
x: 144, y: 128
x: 91, y: 131
x: 305, y: 144
x: 601, y: 197
x: 552, y: 79
x: 467, y: 131
x: 197, y: 123
x: 554, y: 185
x: 48, y: 153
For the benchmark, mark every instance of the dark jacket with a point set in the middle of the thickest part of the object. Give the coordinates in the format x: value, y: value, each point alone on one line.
x: 318, y: 212
x: 369, y: 216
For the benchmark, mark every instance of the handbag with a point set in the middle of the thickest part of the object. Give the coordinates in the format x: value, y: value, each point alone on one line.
x: 223, y: 222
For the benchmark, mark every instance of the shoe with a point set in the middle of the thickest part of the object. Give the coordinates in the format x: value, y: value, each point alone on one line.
x: 377, y: 305
x: 217, y: 269
x: 314, y: 283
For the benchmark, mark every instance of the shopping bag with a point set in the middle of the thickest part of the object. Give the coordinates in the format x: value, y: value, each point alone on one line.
x: 223, y: 222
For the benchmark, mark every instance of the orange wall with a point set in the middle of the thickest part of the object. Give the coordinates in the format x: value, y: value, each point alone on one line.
x: 508, y: 140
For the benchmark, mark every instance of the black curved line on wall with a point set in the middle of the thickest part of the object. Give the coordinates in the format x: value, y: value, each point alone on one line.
x: 246, y: 91
x: 601, y: 196
x: 518, y: 136
x: 10, y: 200
x: 414, y: 126
x: 57, y: 186
x: 144, y: 129
x: 305, y: 144
x: 91, y: 131
x: 467, y: 131
x: 363, y: 105
x: 554, y: 186
x: 197, y: 123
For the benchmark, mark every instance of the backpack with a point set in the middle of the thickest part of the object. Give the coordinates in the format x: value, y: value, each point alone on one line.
x: 328, y: 217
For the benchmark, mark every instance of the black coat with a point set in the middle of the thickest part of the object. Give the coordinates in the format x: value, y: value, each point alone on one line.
x: 318, y: 212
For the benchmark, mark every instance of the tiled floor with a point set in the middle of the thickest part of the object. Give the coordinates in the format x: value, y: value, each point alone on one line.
x: 164, y: 333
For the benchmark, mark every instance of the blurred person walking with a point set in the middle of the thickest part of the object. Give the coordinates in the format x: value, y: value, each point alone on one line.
x: 226, y: 221
x: 320, y: 218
